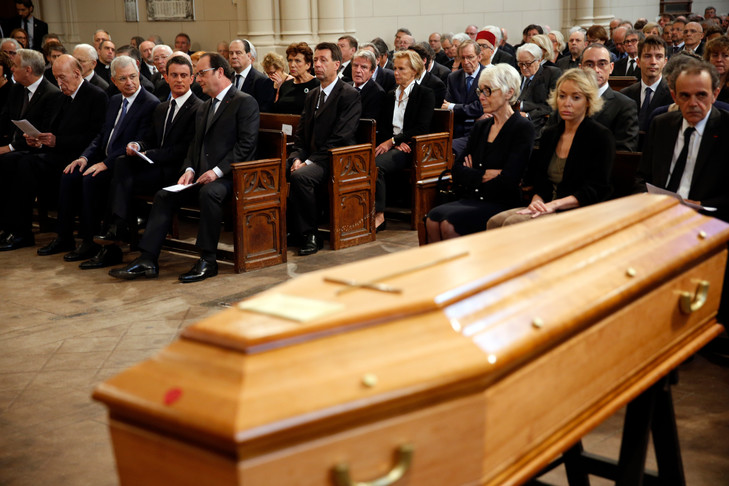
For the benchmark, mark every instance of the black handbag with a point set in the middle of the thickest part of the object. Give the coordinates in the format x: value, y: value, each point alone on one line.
x: 449, y: 190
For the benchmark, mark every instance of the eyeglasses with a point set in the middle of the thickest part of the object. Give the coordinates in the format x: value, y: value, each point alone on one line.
x: 631, y: 41
x: 485, y: 91
x: 470, y: 58
x: 485, y: 46
x: 525, y: 64
x: 201, y: 73
x: 602, y: 64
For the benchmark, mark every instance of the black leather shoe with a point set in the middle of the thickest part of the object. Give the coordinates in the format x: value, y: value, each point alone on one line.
x: 381, y: 227
x: 106, y: 257
x: 13, y: 242
x: 312, y: 244
x: 86, y: 250
x: 202, y: 270
x: 141, y: 267
x: 57, y: 246
x: 116, y: 232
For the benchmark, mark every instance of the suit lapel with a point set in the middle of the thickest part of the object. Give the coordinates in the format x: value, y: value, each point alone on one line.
x: 666, y: 149
x: 223, y: 106
x: 330, y: 99
x: 708, y: 139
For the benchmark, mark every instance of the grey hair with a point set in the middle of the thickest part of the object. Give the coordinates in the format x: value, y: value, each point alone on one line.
x: 121, y: 62
x: 13, y: 41
x: 363, y: 53
x: 532, y: 49
x: 577, y: 28
x: 162, y: 47
x: 504, y: 77
x: 461, y: 37
x: 89, y: 50
x: 32, y: 59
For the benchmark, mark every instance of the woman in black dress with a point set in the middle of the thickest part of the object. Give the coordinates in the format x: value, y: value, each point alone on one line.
x: 292, y: 93
x: 498, y: 151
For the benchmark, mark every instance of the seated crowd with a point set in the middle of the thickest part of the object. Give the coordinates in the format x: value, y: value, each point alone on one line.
x: 536, y: 126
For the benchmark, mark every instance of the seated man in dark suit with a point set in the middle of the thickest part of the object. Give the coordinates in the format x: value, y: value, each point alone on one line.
x: 434, y: 41
x: 436, y: 69
x: 38, y: 171
x: 461, y: 97
x: 576, y: 44
x: 226, y: 131
x: 428, y: 79
x: 348, y: 45
x: 619, y: 113
x: 132, y: 52
x: 247, y: 79
x: 537, y: 82
x: 160, y: 54
x: 330, y: 118
x: 85, y: 181
x: 147, y: 68
x: 371, y: 94
x: 107, y: 51
x: 628, y: 65
x: 35, y: 28
x: 166, y: 143
x: 385, y: 77
x: 88, y: 57
x: 183, y: 43
x: 384, y: 60
x: 652, y: 90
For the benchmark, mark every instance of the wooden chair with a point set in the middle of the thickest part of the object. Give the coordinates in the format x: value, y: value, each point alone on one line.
x: 257, y: 208
x: 284, y: 122
x: 617, y: 83
x: 352, y: 190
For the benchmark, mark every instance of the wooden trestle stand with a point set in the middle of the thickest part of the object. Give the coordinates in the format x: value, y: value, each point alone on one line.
x: 474, y: 361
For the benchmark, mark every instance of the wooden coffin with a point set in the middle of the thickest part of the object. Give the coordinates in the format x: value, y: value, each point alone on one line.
x: 499, y: 351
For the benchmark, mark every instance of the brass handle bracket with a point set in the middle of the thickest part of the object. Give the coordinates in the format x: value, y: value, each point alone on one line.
x: 690, y: 303
x: 404, y: 459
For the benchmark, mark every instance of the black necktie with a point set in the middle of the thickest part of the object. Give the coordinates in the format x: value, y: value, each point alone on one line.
x: 26, y: 101
x: 168, y: 123
x: 631, y: 68
x: 645, y: 110
x: 678, y: 169
x: 237, y: 81
x: 322, y: 98
x: 211, y: 113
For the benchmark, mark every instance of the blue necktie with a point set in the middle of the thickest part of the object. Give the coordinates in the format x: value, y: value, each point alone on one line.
x: 469, y: 82
x: 117, y: 125
x: 645, y: 110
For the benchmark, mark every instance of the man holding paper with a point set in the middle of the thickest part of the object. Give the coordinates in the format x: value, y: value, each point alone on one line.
x: 154, y: 162
x: 226, y: 131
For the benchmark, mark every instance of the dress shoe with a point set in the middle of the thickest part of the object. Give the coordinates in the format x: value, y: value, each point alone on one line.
x: 381, y: 227
x: 86, y: 250
x: 115, y: 232
x: 57, y: 246
x: 13, y: 242
x: 141, y: 267
x: 106, y: 257
x: 202, y: 270
x: 312, y: 244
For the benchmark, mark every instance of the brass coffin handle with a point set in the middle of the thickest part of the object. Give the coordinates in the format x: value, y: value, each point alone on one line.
x: 690, y: 303
x: 404, y: 458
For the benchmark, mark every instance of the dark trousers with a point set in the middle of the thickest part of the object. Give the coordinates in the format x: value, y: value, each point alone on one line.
x: 391, y: 161
x: 210, y: 198
x: 302, y: 198
x: 85, y: 196
x: 132, y: 175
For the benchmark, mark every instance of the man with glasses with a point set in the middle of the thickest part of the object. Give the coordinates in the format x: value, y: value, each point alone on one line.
x: 628, y: 65
x: 226, y: 131
x: 537, y: 82
x: 85, y: 181
x: 693, y: 35
x: 87, y: 56
x: 461, y: 97
x: 10, y: 47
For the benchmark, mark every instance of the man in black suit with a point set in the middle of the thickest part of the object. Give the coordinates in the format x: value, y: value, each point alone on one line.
x: 330, y: 118
x: 693, y: 35
x: 35, y: 28
x: 461, y: 97
x: 107, y: 52
x: 147, y: 68
x: 87, y: 56
x: 628, y: 65
x: 37, y: 171
x: 685, y: 150
x: 576, y: 44
x: 226, y: 131
x: 619, y: 113
x: 384, y: 58
x: 166, y: 143
x: 247, y: 79
x: 434, y: 42
x: 372, y: 96
x: 132, y: 52
x: 183, y: 43
x: 537, y: 82
x: 31, y: 97
x: 348, y: 45
x: 427, y: 79
x: 433, y: 67
x: 383, y: 76
x: 85, y: 181
x: 652, y: 90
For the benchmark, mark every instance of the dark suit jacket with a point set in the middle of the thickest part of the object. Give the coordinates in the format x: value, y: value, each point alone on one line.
x: 535, y: 96
x: 232, y: 136
x: 588, y: 166
x: 441, y: 72
x: 48, y: 74
x: 438, y: 88
x: 661, y: 97
x: 261, y: 88
x: 442, y: 58
x: 467, y: 105
x: 417, y: 118
x: 386, y: 79
x: 173, y: 148
x: 621, y: 66
x: 566, y: 62
x: 503, y: 56
x: 144, y: 71
x: 347, y: 73
x: 133, y: 127
x: 372, y: 97
x: 103, y: 71
x: 78, y: 121
x: 42, y: 107
x: 333, y: 125
x: 99, y: 82
x: 708, y: 184
x: 40, y: 29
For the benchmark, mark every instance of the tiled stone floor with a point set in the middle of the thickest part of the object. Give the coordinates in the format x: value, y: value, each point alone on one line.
x: 63, y: 331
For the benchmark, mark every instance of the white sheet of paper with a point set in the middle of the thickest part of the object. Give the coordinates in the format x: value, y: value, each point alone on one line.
x: 144, y: 157
x: 27, y: 128
x: 658, y: 190
x: 287, y: 129
x: 178, y: 187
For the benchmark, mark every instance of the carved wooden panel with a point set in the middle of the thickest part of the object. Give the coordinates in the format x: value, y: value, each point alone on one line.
x: 261, y: 182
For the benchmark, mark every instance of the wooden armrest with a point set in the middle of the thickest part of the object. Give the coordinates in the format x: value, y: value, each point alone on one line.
x: 350, y: 149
